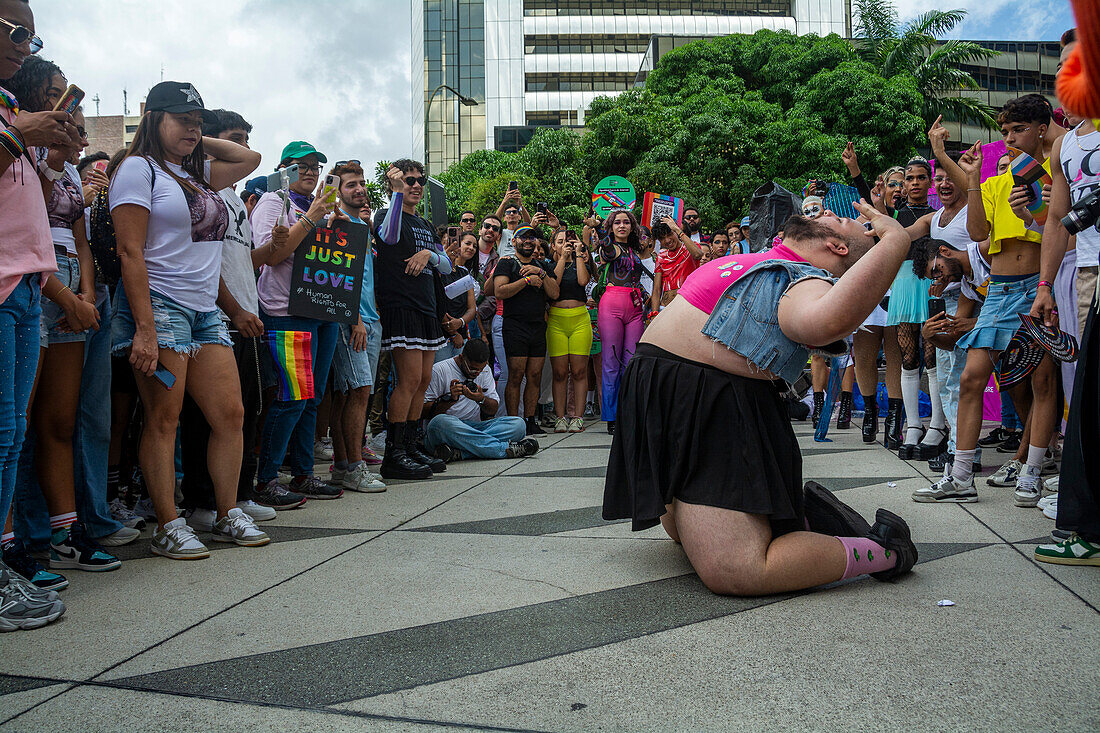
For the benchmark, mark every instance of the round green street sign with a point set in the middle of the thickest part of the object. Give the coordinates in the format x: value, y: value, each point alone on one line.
x: 613, y: 192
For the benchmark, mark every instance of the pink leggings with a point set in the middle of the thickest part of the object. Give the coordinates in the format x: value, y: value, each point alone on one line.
x: 621, y: 324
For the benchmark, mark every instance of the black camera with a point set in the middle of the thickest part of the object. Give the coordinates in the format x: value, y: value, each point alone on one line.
x: 471, y: 385
x: 1083, y: 214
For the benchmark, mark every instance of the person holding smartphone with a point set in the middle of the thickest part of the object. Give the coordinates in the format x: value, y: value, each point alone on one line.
x: 169, y: 222
x: 569, y: 332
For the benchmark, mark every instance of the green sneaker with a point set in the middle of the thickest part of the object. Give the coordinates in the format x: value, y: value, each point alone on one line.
x: 1072, y: 551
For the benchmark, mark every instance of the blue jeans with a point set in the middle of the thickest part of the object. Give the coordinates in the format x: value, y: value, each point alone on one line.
x: 1009, y: 418
x: 20, y: 334
x: 290, y: 423
x: 91, y: 441
x: 950, y: 365
x: 475, y: 438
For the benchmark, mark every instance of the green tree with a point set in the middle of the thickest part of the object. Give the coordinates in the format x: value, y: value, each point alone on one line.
x: 914, y: 50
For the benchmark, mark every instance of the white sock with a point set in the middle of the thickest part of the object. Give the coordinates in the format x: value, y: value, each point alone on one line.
x: 591, y: 395
x: 1035, y: 455
x: 910, y: 396
x: 962, y: 471
x: 1028, y: 479
x: 939, y: 420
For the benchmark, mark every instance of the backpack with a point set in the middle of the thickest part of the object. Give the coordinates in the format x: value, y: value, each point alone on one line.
x: 102, y: 241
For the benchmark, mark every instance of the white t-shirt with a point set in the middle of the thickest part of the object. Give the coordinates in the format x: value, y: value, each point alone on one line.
x: 464, y: 408
x: 1081, y: 166
x: 179, y: 267
x: 976, y: 286
x: 505, y: 247
x: 237, y: 269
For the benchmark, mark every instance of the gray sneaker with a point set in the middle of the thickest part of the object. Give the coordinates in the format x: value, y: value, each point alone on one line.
x: 1006, y: 475
x: 522, y: 449
x: 239, y: 528
x: 178, y: 541
x: 7, y: 575
x: 361, y: 479
x: 947, y: 491
x: 124, y: 536
x: 315, y: 488
x: 274, y: 495
x: 20, y: 608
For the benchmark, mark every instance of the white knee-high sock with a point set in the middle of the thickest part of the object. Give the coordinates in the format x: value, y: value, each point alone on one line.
x: 939, y: 420
x: 910, y: 396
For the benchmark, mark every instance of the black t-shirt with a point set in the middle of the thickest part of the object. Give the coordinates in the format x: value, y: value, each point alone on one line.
x: 529, y: 304
x: 393, y: 288
x: 907, y: 214
x: 570, y: 288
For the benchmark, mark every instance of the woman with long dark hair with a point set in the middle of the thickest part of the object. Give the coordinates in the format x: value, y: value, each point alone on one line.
x: 621, y: 318
x: 460, y: 308
x: 169, y: 222
x: 569, y: 332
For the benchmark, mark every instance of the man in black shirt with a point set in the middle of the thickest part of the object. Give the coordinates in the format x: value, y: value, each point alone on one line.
x: 524, y: 285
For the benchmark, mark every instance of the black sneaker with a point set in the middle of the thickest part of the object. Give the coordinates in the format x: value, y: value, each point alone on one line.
x: 18, y: 559
x: 447, y: 454
x: 314, y: 488
x: 73, y: 548
x: 274, y: 495
x: 1011, y: 444
x: 533, y: 427
x: 996, y: 436
x: 523, y: 448
x: 829, y: 515
x: 941, y: 462
x: 892, y: 532
x: 611, y: 427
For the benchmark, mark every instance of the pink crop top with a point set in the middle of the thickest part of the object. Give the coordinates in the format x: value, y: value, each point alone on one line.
x: 705, y: 286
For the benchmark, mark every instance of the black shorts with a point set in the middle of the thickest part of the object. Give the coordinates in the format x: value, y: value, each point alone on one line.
x: 523, y: 339
x: 669, y: 407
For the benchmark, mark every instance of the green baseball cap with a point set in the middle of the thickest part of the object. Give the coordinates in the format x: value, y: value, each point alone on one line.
x: 300, y: 149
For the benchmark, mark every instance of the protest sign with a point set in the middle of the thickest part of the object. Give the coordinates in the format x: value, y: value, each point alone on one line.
x: 613, y: 192
x: 326, y: 281
x: 657, y: 206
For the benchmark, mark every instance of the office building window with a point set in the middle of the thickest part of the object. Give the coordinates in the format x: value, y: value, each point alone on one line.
x: 620, y: 43
x: 584, y: 82
x: 665, y: 7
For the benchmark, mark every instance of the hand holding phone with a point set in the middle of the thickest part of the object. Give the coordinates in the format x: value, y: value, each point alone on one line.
x: 936, y: 306
x: 70, y: 100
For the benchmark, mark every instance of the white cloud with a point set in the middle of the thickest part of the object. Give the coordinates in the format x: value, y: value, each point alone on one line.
x: 334, y: 73
x: 1015, y: 20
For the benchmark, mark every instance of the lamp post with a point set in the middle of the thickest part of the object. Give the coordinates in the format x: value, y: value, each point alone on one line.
x: 466, y: 101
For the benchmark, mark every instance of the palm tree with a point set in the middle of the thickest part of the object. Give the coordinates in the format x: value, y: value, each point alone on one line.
x: 914, y: 49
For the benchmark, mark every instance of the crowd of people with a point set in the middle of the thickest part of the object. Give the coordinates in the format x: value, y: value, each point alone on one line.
x: 153, y: 370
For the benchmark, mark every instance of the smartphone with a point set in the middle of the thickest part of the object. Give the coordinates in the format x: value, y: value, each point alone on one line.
x: 452, y: 232
x: 165, y: 377
x: 513, y: 185
x: 70, y: 100
x: 275, y: 180
x: 100, y: 165
x: 936, y: 306
x: 541, y: 207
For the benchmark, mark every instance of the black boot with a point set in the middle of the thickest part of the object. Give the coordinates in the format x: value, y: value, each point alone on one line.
x: 414, y: 438
x: 397, y: 463
x: 891, y: 428
x: 844, y: 417
x: 870, y: 420
x: 819, y: 405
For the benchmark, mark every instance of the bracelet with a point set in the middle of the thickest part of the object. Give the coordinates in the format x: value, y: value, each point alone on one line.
x: 10, y: 142
x: 59, y: 292
x: 19, y: 134
x: 307, y: 220
x: 1044, y: 282
x: 973, y: 189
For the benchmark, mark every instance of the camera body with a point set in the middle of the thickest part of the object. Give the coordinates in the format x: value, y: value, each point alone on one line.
x: 1083, y: 214
x: 470, y: 385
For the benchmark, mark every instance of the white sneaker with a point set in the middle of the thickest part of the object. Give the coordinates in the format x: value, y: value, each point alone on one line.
x: 1049, y: 467
x: 378, y: 443
x: 125, y: 516
x: 257, y: 512
x: 1027, y: 488
x: 1006, y: 475
x: 124, y: 536
x: 322, y: 449
x: 361, y: 479
x: 178, y: 541
x: 202, y: 519
x: 1050, y: 486
x: 239, y: 528
x: 561, y: 425
x: 947, y: 491
x: 1050, y: 511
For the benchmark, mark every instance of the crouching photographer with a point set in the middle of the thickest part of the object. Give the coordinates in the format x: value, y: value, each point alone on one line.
x: 460, y: 393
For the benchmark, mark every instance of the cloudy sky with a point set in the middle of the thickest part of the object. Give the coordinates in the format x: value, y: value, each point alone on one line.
x: 334, y: 73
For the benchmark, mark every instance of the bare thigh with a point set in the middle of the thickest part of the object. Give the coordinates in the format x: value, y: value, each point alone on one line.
x: 727, y: 548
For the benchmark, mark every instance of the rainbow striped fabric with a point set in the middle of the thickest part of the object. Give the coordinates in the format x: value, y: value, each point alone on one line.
x: 293, y: 361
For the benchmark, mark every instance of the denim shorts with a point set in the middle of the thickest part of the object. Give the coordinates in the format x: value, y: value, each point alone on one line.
x: 180, y: 329
x: 68, y: 272
x: 998, y: 320
x: 354, y: 369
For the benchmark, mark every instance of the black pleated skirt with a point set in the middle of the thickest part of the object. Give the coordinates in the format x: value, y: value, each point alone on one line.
x: 689, y: 431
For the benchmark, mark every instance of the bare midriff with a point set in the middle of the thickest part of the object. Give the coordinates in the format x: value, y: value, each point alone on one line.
x: 1017, y: 257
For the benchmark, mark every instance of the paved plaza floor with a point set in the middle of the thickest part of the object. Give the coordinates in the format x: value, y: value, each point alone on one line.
x: 494, y: 597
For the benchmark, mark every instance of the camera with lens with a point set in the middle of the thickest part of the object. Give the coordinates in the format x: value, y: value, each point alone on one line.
x: 471, y: 385
x: 1083, y: 214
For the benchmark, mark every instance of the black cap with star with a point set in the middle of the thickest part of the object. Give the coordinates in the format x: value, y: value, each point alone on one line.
x: 177, y: 97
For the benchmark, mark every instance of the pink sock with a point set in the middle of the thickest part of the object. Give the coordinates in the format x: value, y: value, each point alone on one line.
x: 865, y: 556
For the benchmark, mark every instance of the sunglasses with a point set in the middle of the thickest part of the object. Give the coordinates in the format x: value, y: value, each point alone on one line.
x: 511, y: 211
x: 21, y: 34
x: 416, y: 180
x: 494, y: 227
x: 467, y: 220
x: 691, y: 216
x: 353, y: 161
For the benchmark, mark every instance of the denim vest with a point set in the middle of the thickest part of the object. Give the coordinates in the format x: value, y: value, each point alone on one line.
x: 746, y: 318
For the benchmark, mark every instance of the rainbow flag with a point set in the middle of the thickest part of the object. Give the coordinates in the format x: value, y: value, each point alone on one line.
x: 1028, y: 172
x: 293, y: 361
